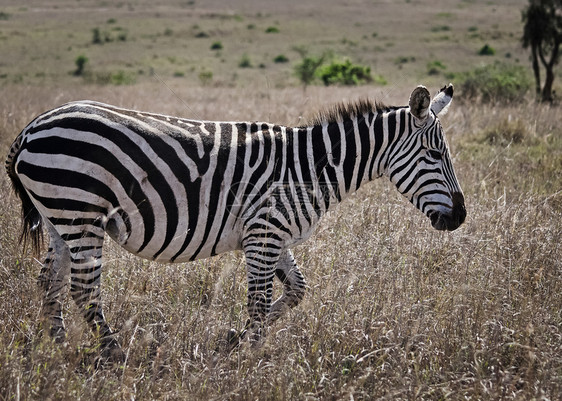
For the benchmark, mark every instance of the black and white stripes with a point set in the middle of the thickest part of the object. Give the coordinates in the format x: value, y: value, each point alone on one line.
x: 175, y: 190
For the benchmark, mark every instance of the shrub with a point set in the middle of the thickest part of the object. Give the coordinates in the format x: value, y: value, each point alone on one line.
x: 206, y: 77
x: 80, y: 62
x: 216, y: 46
x: 496, y: 82
x: 4, y: 16
x: 281, y: 59
x: 440, y: 28
x: 96, y: 36
x: 202, y: 34
x: 403, y: 60
x: 272, y: 29
x: 345, y: 73
x: 245, y: 62
x: 307, y: 68
x: 487, y: 50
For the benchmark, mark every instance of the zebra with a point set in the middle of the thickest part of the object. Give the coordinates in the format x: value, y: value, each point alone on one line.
x: 171, y: 189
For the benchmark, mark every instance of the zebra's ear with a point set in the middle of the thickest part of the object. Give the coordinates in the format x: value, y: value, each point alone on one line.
x: 419, y: 103
x: 442, y: 100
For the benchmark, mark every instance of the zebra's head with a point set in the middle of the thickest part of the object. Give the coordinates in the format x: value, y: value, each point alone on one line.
x: 420, y: 166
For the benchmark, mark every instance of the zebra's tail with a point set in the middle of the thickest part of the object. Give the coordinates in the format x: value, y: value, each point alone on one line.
x: 32, y: 227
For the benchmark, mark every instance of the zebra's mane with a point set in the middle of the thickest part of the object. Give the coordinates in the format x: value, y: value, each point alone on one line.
x: 344, y: 111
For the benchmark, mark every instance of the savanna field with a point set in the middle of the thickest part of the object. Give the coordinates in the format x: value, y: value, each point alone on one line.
x: 395, y: 309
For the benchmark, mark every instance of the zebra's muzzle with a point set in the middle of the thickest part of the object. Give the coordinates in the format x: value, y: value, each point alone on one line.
x: 452, y: 220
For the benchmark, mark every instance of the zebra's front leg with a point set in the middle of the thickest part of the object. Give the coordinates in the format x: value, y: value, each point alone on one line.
x: 261, y: 260
x: 85, y: 288
x: 294, y: 286
x: 53, y: 279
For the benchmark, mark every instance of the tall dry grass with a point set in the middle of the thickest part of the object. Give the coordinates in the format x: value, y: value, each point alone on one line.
x: 395, y: 309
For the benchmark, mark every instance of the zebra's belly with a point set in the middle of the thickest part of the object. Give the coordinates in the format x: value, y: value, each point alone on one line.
x: 207, y: 238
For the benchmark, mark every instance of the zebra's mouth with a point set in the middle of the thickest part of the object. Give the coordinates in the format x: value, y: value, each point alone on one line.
x: 441, y: 221
x: 451, y: 220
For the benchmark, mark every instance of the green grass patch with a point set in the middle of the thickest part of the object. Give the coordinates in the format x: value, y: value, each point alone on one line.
x: 120, y: 77
x: 435, y: 67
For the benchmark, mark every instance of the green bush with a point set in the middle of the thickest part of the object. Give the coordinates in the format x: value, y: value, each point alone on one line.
x: 80, y: 62
x: 205, y: 76
x: 245, y: 62
x: 96, y: 36
x: 307, y: 68
x: 272, y: 29
x: 281, y: 59
x: 345, y: 73
x: 487, y: 50
x: 440, y: 28
x: 216, y: 46
x: 403, y: 60
x: 496, y: 82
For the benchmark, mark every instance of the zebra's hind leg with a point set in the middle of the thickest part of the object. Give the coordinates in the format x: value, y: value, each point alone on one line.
x: 53, y: 279
x: 85, y: 288
x: 294, y: 286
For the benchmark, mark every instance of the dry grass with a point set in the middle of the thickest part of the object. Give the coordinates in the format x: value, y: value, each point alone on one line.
x: 395, y: 310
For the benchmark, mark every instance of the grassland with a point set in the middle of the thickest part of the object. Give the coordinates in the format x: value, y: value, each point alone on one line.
x: 395, y: 309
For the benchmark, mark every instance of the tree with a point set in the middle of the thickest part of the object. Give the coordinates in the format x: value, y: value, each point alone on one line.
x: 542, y: 32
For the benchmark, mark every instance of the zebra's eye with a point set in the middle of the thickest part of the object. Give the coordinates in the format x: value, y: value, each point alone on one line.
x: 434, y: 154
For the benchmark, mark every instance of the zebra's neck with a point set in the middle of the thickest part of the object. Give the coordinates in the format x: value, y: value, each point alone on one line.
x: 342, y: 155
